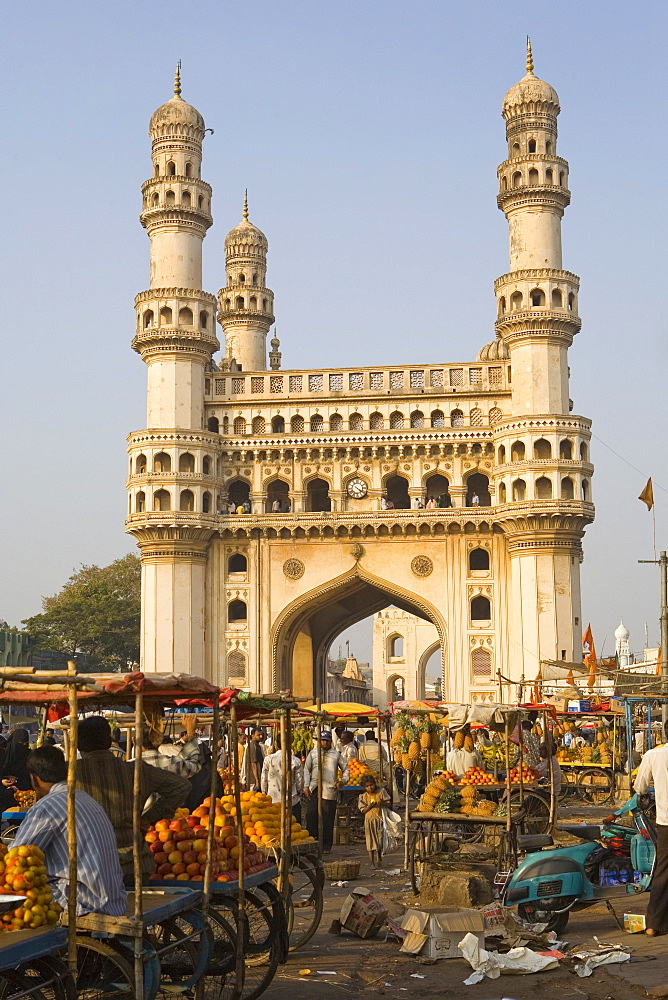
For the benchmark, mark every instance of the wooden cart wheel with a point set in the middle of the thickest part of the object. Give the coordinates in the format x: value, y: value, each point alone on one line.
x: 104, y: 971
x: 49, y: 978
x: 184, y: 945
x: 261, y: 948
x: 14, y: 984
x: 536, y: 811
x: 306, y: 899
x: 595, y: 785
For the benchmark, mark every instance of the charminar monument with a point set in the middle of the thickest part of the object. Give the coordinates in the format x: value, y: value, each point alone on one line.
x: 275, y: 508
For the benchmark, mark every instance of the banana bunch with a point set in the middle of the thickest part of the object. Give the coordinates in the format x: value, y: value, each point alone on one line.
x: 302, y: 741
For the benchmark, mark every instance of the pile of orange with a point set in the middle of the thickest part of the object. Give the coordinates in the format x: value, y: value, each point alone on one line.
x: 476, y: 776
x: 22, y: 871
x: 24, y: 799
x: 528, y: 774
x: 262, y: 819
x: 357, y: 770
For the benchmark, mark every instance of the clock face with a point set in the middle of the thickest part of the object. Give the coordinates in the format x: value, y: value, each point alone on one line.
x: 357, y: 488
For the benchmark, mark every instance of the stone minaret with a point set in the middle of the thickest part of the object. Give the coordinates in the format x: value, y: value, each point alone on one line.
x: 543, y: 452
x: 246, y: 305
x: 172, y: 481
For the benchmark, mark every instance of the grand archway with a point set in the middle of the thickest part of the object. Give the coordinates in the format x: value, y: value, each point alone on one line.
x: 304, y: 632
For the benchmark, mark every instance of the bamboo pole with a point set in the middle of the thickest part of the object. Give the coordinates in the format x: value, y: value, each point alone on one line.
x: 381, y: 768
x: 212, y: 805
x: 509, y: 822
x: 407, y: 810
x: 388, y: 738
x: 241, y: 896
x: 71, y: 823
x: 286, y: 804
x: 137, y: 845
x: 318, y: 732
x: 520, y: 740
x: 547, y: 729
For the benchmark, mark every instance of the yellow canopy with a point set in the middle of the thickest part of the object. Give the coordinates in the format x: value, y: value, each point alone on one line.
x: 337, y: 708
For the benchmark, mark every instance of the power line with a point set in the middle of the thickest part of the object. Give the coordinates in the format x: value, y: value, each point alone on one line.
x: 626, y: 461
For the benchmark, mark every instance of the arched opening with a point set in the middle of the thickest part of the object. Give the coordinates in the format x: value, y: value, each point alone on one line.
x: 477, y: 490
x: 171, y: 168
x: 278, y: 497
x: 187, y: 500
x: 519, y: 489
x: 242, y: 278
x: 557, y: 299
x: 186, y: 199
x: 239, y: 425
x: 585, y: 490
x: 170, y: 198
x: 186, y: 462
x: 148, y: 319
x: 336, y: 422
x: 165, y: 316
x: 502, y: 493
x: 297, y: 425
x: 203, y: 319
x: 516, y: 149
x: 479, y: 561
x: 252, y: 302
x: 548, y: 147
x: 356, y: 422
x: 237, y: 563
x: 456, y: 418
x: 396, y: 689
x: 542, y: 449
x: 517, y: 451
x: 481, y: 666
x: 395, y: 647
x: 156, y: 169
x: 437, y: 488
x: 185, y: 316
x: 206, y: 503
x: 236, y: 668
x: 549, y: 177
x: 189, y: 169
x: 532, y: 145
x: 239, y: 302
x: 437, y: 418
x: 567, y: 488
x: 396, y: 491
x: 259, y: 425
x: 376, y: 421
x: 317, y: 496
x: 278, y: 425
x: 140, y: 465
x: 501, y: 455
x: 396, y: 420
x: 543, y: 487
x: 162, y: 462
x: 156, y: 199
x: 571, y: 302
x: 317, y: 423
x: 162, y: 500
x: 502, y: 306
x: 584, y: 452
x: 533, y: 176
x: 481, y: 610
x: 237, y: 612
x: 566, y: 450
x: 517, y: 179
x: 212, y: 425
x: 516, y: 301
x: 140, y: 502
x: 417, y: 418
x: 238, y: 492
x: 537, y: 297
x: 504, y: 183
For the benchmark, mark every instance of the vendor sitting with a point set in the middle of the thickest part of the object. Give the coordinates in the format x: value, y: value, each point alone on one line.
x: 461, y: 758
x: 99, y: 877
x: 543, y: 766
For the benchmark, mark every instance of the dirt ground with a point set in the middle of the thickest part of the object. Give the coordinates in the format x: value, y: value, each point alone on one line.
x: 377, y: 967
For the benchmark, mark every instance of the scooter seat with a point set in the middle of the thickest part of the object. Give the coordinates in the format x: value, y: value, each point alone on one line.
x: 534, y: 841
x: 585, y: 831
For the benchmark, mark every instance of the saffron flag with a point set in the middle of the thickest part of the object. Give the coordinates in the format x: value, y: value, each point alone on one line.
x: 589, y: 651
x: 647, y: 495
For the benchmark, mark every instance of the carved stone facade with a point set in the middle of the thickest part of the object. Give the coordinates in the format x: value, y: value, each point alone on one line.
x: 275, y: 508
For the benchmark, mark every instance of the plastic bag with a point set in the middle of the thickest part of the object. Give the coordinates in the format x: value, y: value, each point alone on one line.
x: 391, y: 830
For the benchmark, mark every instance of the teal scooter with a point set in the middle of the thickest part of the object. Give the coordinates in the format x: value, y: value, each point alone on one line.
x: 612, y: 862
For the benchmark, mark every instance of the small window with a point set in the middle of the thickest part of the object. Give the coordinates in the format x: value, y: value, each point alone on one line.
x: 548, y: 147
x: 519, y: 490
x: 156, y: 199
x: 456, y: 418
x: 242, y: 278
x: 481, y: 665
x: 140, y: 465
x: 162, y: 462
x: 417, y: 418
x: 212, y: 424
x: 259, y: 425
x: 566, y: 450
x: 162, y: 500
x: 189, y: 169
x: 395, y: 646
x: 585, y: 490
x: 186, y: 200
x: 584, y: 452
x: 481, y: 609
x: 502, y: 306
x: 516, y: 300
x: 237, y: 563
x: 549, y: 176
x: 237, y: 612
x: 537, y: 297
x: 200, y: 201
x: 542, y: 449
x: 140, y: 502
x: 532, y: 145
x: 336, y: 422
x: 571, y: 301
x: 501, y: 455
x: 502, y: 492
x: 165, y: 316
x: 278, y: 425
x: 252, y: 302
x: 186, y: 462
x: 297, y: 425
x: 170, y: 198
x: 317, y: 423
x: 206, y: 465
x: 171, y: 169
x: 203, y: 319
x: 543, y: 488
x: 396, y: 420
x: 557, y: 299
x: 185, y: 317
x: 533, y: 176
x: 148, y: 319
x: 239, y: 425
x: 187, y: 500
x: 479, y: 560
x: 517, y: 452
x: 156, y: 169
x: 356, y: 422
x: 516, y: 149
x: 206, y: 503
x: 376, y: 421
x: 239, y: 302
x: 517, y: 179
x: 437, y: 418
x: 567, y: 488
x: 255, y: 279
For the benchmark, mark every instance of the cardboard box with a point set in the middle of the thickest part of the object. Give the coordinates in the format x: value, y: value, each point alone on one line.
x: 560, y: 704
x: 579, y: 706
x: 362, y: 914
x: 634, y: 923
x: 436, y: 933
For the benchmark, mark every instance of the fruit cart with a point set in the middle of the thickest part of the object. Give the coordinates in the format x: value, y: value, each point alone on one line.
x: 31, y: 966
x: 589, y: 772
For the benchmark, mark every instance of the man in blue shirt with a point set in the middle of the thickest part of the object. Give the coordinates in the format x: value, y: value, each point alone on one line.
x: 99, y: 878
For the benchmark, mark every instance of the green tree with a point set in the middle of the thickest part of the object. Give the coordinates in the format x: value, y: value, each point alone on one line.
x: 97, y: 612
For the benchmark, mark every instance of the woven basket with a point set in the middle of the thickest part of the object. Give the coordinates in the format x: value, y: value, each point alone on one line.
x: 341, y: 870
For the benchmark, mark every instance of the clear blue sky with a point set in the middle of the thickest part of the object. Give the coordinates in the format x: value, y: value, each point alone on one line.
x: 368, y: 135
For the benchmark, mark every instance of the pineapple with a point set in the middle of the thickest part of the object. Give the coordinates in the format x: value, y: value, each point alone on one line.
x: 425, y: 739
x: 436, y: 741
x: 414, y: 751
x: 405, y: 761
x: 397, y: 755
x: 459, y: 740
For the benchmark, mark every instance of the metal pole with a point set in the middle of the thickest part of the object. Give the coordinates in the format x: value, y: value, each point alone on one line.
x: 549, y: 739
x: 71, y: 822
x: 663, y: 561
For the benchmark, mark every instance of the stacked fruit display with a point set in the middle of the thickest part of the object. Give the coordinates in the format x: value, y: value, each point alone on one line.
x: 262, y: 823
x: 441, y: 795
x: 476, y: 776
x: 302, y: 741
x: 22, y: 872
x: 527, y: 774
x: 357, y: 769
x: 23, y: 799
x: 414, y: 739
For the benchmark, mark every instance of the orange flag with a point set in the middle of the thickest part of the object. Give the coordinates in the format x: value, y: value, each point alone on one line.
x: 647, y: 495
x: 590, y: 655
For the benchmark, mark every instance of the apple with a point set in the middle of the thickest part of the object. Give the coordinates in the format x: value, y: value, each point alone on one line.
x: 189, y: 856
x: 155, y: 847
x: 170, y: 878
x: 151, y: 836
x: 185, y: 845
x: 175, y: 858
x: 192, y: 821
x: 178, y: 868
x: 197, y: 878
x: 199, y: 844
x: 164, y: 869
x: 222, y: 853
x: 176, y: 824
x: 193, y: 869
x: 162, y: 824
x: 160, y: 859
x: 199, y: 831
x: 169, y: 846
x: 180, y: 835
x: 230, y: 842
x: 164, y: 835
x: 183, y: 877
x: 201, y: 857
x: 227, y: 831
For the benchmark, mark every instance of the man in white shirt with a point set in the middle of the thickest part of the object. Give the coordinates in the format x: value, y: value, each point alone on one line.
x: 332, y: 762
x: 347, y: 747
x: 272, y: 779
x: 459, y: 761
x: 653, y: 773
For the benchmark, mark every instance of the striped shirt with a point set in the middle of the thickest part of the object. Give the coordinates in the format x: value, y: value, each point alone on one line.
x: 272, y: 777
x: 332, y: 762
x: 99, y: 877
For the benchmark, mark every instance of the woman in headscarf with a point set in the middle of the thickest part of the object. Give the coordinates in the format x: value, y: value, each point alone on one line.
x: 14, y: 771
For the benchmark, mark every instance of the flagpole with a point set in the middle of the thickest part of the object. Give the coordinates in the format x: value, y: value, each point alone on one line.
x: 654, y: 530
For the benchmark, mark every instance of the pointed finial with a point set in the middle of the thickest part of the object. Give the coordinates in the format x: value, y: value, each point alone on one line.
x: 245, y: 211
x: 177, y: 80
x: 529, y: 57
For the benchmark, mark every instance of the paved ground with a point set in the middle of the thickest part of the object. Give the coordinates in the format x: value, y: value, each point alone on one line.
x: 377, y: 967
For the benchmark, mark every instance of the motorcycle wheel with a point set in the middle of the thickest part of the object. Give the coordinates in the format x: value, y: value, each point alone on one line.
x: 531, y: 913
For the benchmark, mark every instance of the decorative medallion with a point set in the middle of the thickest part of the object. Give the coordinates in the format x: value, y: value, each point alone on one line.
x: 293, y: 569
x: 422, y: 566
x: 357, y: 551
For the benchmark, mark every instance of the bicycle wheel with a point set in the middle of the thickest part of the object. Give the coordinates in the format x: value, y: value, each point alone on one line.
x: 306, y: 901
x: 219, y: 979
x: 13, y: 984
x: 183, y: 945
x: 51, y: 977
x: 596, y: 785
x: 260, y: 948
x: 104, y: 971
x: 536, y: 812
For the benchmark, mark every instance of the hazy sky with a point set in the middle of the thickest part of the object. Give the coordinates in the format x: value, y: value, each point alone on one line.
x: 368, y: 135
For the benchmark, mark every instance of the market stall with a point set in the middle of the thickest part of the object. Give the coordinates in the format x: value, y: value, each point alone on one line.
x: 589, y: 765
